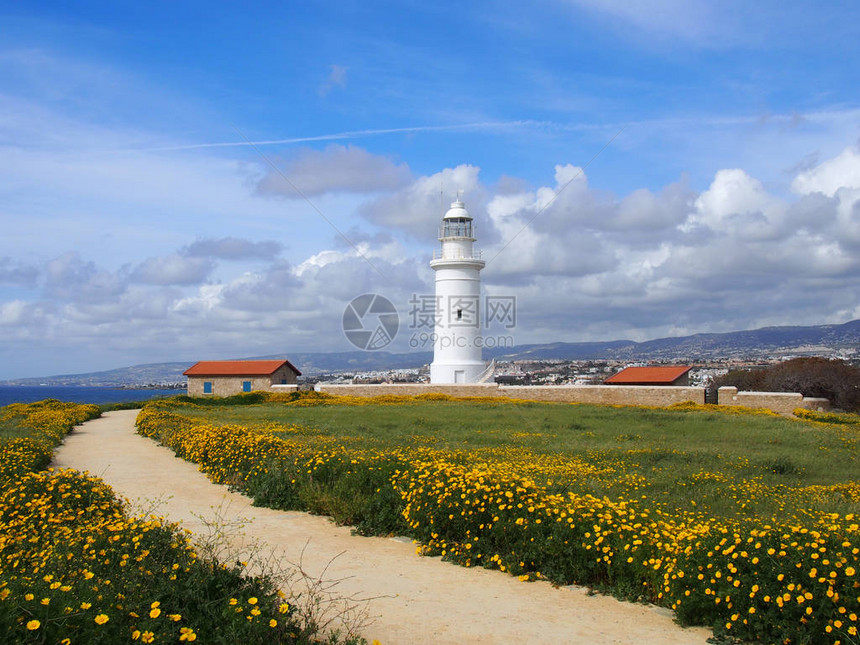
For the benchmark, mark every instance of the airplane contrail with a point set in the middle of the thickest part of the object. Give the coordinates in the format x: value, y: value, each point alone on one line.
x: 355, y: 134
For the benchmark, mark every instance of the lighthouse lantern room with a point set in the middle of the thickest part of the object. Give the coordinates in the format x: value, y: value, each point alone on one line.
x: 457, y: 341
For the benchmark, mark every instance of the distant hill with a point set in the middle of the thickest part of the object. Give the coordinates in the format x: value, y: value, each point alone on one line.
x: 309, y: 363
x: 135, y: 376
x: 358, y: 361
x: 768, y: 341
x: 820, y: 340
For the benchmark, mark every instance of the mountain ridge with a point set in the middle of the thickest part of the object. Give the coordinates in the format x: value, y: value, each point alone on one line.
x: 773, y: 341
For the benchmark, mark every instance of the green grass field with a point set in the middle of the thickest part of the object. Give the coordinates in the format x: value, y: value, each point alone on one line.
x: 659, y: 452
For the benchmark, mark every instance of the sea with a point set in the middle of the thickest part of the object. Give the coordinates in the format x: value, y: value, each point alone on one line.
x: 78, y: 394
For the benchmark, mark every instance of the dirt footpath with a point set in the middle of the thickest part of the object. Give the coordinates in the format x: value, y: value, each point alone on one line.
x: 418, y: 600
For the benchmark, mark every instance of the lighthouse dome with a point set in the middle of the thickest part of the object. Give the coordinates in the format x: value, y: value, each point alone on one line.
x: 457, y: 211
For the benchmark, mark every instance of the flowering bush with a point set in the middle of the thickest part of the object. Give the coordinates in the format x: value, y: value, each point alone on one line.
x: 74, y: 567
x: 29, y: 432
x: 834, y: 418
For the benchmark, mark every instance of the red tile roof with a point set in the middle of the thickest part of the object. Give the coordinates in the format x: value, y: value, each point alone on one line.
x: 648, y: 375
x: 237, y: 368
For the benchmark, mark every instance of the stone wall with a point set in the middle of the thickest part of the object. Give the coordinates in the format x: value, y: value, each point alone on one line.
x: 603, y: 394
x: 410, y: 389
x: 282, y: 376
x: 226, y: 385
x: 780, y: 402
x: 651, y: 395
x: 654, y: 395
x: 606, y: 394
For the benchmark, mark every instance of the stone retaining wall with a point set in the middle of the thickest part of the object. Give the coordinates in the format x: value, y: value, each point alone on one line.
x: 780, y: 402
x: 410, y: 389
x: 660, y: 396
x: 606, y: 394
x: 603, y: 394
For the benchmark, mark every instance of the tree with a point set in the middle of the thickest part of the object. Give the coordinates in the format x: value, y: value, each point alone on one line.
x: 745, y: 380
x: 821, y: 377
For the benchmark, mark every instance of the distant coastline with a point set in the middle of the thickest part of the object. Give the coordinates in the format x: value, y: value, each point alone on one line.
x: 177, y: 386
x: 82, y: 393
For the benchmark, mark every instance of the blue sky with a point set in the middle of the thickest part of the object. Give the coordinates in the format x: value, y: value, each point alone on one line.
x: 700, y: 161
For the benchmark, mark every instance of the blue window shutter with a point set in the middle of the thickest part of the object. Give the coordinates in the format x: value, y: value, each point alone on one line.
x: 207, y: 387
x: 246, y: 386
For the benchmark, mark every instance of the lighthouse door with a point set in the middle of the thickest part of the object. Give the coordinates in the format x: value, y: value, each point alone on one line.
x: 459, y: 376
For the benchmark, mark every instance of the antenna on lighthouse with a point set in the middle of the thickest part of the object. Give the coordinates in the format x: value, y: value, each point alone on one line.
x: 441, y: 197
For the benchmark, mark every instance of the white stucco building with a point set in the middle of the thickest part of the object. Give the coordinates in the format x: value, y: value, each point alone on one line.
x: 457, y: 344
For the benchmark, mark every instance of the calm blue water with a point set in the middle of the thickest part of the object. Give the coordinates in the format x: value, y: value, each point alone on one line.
x: 78, y: 394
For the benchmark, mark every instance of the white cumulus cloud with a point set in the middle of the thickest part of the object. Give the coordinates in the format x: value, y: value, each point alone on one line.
x: 843, y: 171
x: 418, y: 207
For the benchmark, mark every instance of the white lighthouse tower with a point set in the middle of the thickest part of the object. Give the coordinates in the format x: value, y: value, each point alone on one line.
x: 457, y: 345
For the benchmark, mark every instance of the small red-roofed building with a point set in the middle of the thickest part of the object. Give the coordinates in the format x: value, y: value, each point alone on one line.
x: 657, y: 375
x: 224, y: 378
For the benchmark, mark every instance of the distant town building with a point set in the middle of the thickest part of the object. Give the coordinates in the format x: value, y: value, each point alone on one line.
x: 658, y: 375
x: 224, y: 378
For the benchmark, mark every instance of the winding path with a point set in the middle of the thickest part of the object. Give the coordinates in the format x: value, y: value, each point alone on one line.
x: 417, y: 600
